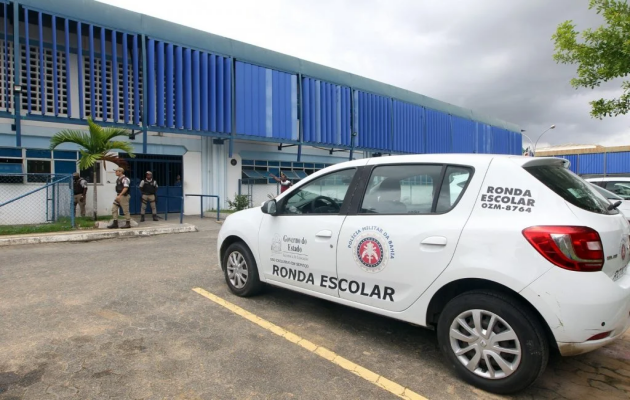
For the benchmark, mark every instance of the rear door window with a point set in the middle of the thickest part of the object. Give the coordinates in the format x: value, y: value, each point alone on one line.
x: 414, y: 189
x: 571, y: 188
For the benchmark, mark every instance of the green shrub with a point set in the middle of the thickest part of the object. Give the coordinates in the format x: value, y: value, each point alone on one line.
x: 240, y: 202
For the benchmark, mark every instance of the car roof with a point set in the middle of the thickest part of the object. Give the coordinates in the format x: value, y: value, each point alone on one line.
x: 452, y: 158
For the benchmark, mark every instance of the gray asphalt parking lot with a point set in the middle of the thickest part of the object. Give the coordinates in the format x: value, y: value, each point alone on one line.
x: 118, y: 319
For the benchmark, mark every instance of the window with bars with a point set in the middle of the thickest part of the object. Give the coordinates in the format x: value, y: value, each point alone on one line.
x: 33, y: 69
x: 6, y: 74
x: 94, y: 104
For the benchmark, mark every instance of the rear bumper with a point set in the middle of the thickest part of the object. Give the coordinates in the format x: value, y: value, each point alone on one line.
x: 580, y: 305
x: 574, y: 349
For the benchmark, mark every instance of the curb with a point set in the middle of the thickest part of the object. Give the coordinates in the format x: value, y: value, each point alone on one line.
x: 92, y: 236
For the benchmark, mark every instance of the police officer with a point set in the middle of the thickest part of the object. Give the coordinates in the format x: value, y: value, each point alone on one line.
x: 80, y: 191
x: 122, y: 200
x: 149, y: 188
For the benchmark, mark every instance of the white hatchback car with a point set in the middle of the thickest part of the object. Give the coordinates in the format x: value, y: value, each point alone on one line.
x: 527, y: 258
x: 619, y: 185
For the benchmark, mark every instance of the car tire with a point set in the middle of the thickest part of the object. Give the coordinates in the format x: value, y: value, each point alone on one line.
x: 514, y: 364
x: 240, y: 270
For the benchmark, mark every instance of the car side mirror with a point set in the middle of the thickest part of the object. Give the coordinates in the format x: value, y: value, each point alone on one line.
x: 270, y: 207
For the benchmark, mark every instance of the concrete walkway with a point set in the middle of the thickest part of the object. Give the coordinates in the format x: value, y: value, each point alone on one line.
x: 148, y: 228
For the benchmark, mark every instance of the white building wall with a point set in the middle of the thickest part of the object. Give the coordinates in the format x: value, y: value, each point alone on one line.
x: 192, y: 182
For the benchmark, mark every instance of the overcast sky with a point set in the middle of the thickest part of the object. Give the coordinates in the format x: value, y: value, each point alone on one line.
x: 493, y: 56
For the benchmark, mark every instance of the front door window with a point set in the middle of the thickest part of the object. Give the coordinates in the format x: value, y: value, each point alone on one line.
x: 323, y: 195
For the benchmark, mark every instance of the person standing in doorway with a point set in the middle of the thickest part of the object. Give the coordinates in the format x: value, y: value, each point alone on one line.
x: 80, y: 192
x: 284, y: 182
x: 178, y: 181
x: 149, y: 188
x: 122, y: 200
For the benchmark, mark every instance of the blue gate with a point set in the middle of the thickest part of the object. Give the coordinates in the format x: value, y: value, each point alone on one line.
x: 167, y: 171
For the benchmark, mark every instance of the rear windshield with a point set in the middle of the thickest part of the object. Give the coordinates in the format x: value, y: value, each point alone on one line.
x: 571, y: 188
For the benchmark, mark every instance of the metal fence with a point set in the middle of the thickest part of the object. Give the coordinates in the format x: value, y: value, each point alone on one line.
x: 27, y: 199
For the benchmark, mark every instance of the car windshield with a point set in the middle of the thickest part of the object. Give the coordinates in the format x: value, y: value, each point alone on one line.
x: 571, y: 188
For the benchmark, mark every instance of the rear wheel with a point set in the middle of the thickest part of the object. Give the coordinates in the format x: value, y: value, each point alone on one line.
x: 241, y: 272
x: 492, y: 341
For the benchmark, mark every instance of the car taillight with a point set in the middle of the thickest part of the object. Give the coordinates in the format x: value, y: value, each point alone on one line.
x: 576, y: 248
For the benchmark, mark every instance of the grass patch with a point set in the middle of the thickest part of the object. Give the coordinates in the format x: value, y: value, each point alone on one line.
x: 62, y: 225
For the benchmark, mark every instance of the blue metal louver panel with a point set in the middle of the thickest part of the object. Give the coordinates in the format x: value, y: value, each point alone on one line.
x: 151, y: 77
x: 187, y: 89
x: 500, y: 141
x: 591, y: 163
x: 438, y: 132
x: 227, y: 96
x: 220, y: 94
x: 464, y: 135
x: 212, y: 117
x: 618, y: 163
x: 484, y: 138
x: 179, y: 87
x: 266, y: 102
x: 196, y: 93
x: 326, y: 112
x: 204, y: 91
x: 517, y: 143
x: 136, y: 82
x: 170, y: 85
x: 407, y: 121
x: 374, y: 121
x: 159, y: 87
x: 193, y: 88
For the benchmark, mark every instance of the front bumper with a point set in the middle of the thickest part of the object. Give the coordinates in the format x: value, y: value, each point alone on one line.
x: 580, y: 305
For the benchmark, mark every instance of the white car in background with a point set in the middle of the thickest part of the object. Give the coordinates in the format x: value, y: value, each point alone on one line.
x: 618, y: 185
x: 624, y: 205
x: 506, y: 257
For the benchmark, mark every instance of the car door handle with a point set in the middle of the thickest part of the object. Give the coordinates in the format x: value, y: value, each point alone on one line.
x: 324, y: 234
x: 435, y: 241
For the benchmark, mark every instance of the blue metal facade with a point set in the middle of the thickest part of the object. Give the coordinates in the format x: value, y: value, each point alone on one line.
x: 599, y: 163
x: 136, y: 72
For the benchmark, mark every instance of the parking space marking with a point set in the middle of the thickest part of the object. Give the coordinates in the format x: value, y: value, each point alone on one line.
x: 372, y: 377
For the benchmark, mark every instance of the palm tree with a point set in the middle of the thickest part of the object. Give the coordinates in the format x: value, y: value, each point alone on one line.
x: 95, y: 145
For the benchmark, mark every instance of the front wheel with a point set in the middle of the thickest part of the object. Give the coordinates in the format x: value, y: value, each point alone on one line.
x: 241, y: 272
x: 492, y: 341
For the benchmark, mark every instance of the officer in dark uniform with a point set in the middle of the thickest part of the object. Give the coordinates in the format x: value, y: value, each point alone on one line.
x: 122, y: 200
x: 149, y: 188
x: 80, y: 191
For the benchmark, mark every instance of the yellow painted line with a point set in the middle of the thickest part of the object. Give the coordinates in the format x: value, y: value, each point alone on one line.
x: 372, y: 377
